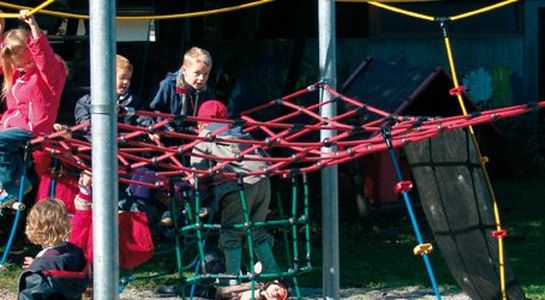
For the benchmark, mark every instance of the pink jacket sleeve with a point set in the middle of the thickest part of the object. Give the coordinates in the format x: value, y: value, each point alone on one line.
x: 82, y: 232
x: 51, y: 67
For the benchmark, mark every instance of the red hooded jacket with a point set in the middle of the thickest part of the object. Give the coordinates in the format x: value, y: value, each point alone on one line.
x: 33, y: 101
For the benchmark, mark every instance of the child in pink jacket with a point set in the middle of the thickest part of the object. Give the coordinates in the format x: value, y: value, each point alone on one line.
x: 34, y: 78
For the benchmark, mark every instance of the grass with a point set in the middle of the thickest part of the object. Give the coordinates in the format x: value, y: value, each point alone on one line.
x: 383, y: 257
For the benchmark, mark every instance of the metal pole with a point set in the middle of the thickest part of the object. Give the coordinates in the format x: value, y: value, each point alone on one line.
x: 104, y: 145
x: 330, y: 208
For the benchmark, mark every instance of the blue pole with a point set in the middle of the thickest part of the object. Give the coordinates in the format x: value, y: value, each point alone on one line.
x: 22, y: 184
x: 387, y: 138
x: 53, y: 183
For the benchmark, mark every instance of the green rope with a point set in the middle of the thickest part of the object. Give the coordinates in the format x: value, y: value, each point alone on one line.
x: 198, y: 229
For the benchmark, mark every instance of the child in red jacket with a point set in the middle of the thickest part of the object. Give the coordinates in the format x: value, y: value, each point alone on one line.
x: 34, y: 78
x: 135, y: 241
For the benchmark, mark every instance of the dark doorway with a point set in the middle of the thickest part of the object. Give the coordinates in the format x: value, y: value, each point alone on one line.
x: 541, y: 75
x: 541, y: 53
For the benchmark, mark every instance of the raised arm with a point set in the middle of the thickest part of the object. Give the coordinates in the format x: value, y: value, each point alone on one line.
x: 31, y: 22
x: 51, y: 67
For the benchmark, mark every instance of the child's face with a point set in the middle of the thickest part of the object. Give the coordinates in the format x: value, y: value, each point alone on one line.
x: 196, y: 74
x: 276, y: 292
x: 23, y: 62
x: 122, y: 81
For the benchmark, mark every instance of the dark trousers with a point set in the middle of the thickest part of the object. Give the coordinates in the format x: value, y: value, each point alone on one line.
x: 258, y: 197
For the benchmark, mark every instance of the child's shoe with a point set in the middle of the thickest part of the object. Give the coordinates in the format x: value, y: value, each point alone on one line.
x: 7, y: 199
x: 166, y: 219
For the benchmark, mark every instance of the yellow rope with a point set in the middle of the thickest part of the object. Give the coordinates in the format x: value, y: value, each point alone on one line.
x: 39, y: 7
x: 500, y: 241
x: 9, y: 15
x: 482, y: 10
x: 483, y: 167
x: 133, y: 18
x: 387, y: 1
x: 394, y: 9
x: 401, y: 11
x: 30, y: 13
x: 455, y: 79
x: 431, y: 18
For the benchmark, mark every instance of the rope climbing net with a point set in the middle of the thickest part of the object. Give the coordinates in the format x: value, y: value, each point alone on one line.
x: 292, y: 137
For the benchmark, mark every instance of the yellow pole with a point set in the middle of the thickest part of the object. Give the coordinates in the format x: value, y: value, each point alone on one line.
x: 482, y: 162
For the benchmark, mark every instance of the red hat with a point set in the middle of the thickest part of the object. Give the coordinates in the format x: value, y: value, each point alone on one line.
x: 213, y: 109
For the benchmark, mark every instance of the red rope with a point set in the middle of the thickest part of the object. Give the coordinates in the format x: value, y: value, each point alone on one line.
x: 299, y: 144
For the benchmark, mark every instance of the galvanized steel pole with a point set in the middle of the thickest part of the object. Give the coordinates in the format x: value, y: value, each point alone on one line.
x: 104, y: 149
x: 330, y: 207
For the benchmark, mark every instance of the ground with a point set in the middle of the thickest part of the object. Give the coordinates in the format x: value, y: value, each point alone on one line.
x: 353, y: 294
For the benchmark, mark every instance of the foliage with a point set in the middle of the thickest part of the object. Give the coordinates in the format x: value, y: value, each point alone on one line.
x: 516, y: 146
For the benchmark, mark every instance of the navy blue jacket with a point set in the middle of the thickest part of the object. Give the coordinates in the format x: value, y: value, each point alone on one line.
x: 82, y: 112
x: 34, y: 284
x: 184, y: 101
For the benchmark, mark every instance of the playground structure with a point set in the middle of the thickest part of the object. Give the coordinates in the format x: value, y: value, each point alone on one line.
x: 386, y: 132
x: 301, y: 157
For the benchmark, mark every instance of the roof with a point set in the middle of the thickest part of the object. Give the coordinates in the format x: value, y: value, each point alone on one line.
x: 404, y: 90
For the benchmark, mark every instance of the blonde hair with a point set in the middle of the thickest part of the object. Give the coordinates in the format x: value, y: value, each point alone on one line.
x: 47, y: 223
x: 196, y: 54
x: 14, y: 45
x: 122, y: 63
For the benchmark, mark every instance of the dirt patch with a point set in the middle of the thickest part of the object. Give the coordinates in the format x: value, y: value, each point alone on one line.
x: 352, y: 294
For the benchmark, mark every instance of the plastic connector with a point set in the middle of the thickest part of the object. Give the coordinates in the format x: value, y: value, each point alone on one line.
x: 499, y: 234
x: 457, y: 91
x: 403, y: 187
x: 422, y: 249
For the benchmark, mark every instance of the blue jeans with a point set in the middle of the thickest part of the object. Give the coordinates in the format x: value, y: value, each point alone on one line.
x: 11, y: 140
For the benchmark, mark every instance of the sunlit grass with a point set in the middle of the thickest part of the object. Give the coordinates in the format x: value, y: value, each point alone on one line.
x: 9, y: 276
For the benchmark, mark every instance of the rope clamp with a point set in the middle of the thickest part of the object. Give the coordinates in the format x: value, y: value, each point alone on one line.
x: 457, y: 91
x: 403, y: 187
x: 422, y: 249
x: 499, y: 234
